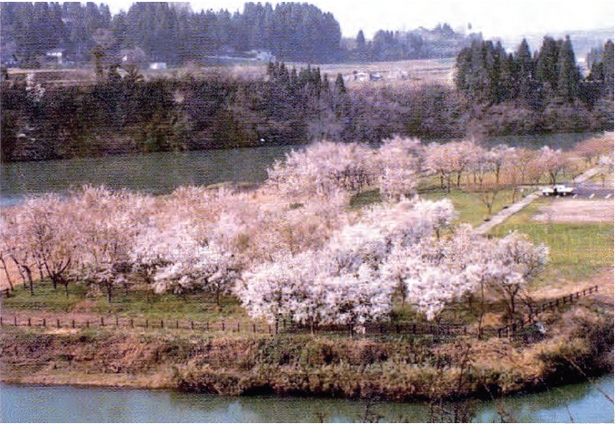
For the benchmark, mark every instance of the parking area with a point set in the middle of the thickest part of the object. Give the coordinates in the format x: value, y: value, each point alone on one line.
x: 581, y: 208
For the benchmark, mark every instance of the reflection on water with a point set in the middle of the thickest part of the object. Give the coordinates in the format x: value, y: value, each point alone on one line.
x: 159, y: 173
x: 578, y: 403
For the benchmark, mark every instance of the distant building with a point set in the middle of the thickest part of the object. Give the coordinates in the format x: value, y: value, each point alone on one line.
x: 157, y: 66
x: 57, y: 54
x: 265, y: 56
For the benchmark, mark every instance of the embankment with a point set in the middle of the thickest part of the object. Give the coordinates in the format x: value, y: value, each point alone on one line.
x: 393, y: 369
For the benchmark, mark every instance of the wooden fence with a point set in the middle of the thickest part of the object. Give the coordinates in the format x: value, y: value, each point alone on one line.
x: 512, y: 329
x: 287, y: 327
x: 282, y: 327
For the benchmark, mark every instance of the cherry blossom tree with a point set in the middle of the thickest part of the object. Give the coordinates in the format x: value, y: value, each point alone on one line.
x: 552, y: 162
x: 19, y: 244
x: 321, y: 168
x: 516, y: 262
x: 107, y: 224
x: 450, y: 158
x: 397, y: 166
x: 49, y: 219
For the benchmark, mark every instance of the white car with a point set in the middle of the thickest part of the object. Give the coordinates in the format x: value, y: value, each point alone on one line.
x: 558, y: 190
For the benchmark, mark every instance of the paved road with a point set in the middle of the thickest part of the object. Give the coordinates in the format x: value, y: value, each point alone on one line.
x: 586, y: 190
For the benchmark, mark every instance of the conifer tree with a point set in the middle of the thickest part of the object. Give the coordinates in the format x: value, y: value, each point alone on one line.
x: 568, y: 72
x: 547, y: 65
x: 525, y: 71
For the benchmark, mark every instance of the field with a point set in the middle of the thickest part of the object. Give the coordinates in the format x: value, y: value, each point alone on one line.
x: 404, y: 73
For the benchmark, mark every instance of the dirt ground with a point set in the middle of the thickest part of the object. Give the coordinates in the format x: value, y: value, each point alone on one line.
x: 577, y: 210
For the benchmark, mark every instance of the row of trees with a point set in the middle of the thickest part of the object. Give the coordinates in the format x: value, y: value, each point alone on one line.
x: 293, y: 248
x: 486, y: 73
x: 439, y: 42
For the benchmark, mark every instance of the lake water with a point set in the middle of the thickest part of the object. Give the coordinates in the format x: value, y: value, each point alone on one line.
x: 159, y: 173
x: 19, y: 403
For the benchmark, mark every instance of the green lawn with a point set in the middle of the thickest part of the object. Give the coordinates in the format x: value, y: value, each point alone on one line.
x: 196, y: 307
x: 576, y: 250
x: 468, y: 205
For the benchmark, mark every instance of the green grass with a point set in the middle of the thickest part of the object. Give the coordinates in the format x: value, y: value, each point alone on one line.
x: 196, y: 307
x: 468, y: 205
x: 576, y: 250
x: 45, y: 298
x: 365, y: 198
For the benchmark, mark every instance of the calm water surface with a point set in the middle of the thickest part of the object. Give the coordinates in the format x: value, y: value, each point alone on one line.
x: 574, y: 403
x: 159, y: 173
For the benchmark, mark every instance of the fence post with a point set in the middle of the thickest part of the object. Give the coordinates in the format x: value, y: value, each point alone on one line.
x: 192, y: 325
x: 58, y: 323
x: 176, y: 324
x: 117, y: 322
x: 102, y: 322
x: 44, y: 322
x: 238, y: 327
x: 87, y: 323
x: 132, y: 323
x: 29, y: 323
x: 1, y: 321
x: 206, y: 326
x: 222, y: 325
x: 146, y: 323
x: 269, y: 328
x: 161, y: 323
x: 254, y: 328
x: 15, y: 321
x: 73, y: 324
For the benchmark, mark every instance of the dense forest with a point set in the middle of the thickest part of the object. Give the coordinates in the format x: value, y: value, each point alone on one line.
x: 174, y: 34
x: 522, y: 92
x: 516, y: 96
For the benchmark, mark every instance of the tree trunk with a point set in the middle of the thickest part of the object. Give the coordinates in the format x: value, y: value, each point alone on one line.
x: 30, y: 282
x: 109, y: 286
x: 8, y: 275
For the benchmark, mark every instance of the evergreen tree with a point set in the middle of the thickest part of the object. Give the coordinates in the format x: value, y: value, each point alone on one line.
x: 607, y: 60
x: 525, y: 73
x: 547, y: 65
x: 568, y: 72
x: 360, y: 40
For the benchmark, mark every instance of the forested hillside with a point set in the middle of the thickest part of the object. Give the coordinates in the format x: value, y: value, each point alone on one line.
x: 175, y: 34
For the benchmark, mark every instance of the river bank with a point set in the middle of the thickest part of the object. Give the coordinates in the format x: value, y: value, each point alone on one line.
x: 578, y: 345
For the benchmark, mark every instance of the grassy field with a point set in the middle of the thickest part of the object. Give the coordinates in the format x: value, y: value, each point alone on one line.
x: 577, y: 251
